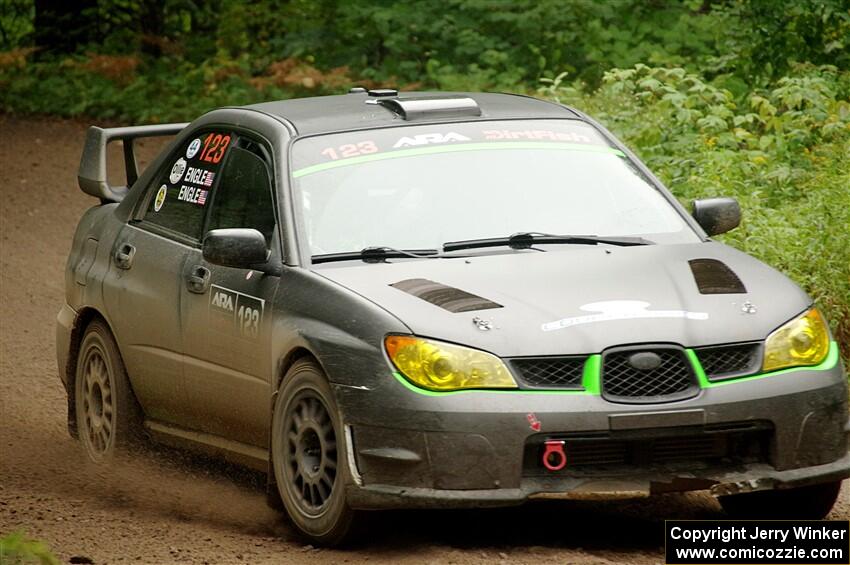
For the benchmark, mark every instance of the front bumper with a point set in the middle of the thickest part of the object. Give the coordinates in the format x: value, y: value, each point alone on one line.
x: 471, y: 448
x: 753, y: 478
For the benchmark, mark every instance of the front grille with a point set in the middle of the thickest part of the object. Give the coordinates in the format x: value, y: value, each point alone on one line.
x: 550, y: 372
x: 673, y: 379
x: 725, y: 361
x: 747, y: 442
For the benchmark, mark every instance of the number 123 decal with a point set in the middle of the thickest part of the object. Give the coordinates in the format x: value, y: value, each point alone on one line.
x: 241, y: 313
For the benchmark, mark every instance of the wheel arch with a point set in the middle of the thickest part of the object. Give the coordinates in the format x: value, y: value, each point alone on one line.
x: 286, y: 362
x: 85, y: 316
x: 294, y: 355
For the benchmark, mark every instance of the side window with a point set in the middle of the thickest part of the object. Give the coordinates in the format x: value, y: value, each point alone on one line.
x: 182, y: 191
x: 243, y: 197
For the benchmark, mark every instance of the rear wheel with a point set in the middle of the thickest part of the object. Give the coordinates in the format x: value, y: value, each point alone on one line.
x: 108, y: 418
x: 308, y: 456
x: 803, y: 503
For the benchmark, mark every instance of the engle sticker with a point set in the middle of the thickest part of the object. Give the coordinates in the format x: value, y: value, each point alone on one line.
x: 199, y: 176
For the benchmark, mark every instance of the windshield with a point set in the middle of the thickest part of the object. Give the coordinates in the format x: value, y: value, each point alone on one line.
x: 419, y: 187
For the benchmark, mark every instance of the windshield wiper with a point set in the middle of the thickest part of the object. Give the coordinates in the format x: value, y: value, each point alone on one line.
x: 525, y: 240
x: 377, y: 255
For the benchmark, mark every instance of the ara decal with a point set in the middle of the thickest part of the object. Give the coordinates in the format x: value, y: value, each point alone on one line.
x: 428, y: 138
x: 235, y: 313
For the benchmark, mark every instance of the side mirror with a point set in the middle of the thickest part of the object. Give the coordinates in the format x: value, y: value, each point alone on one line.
x: 240, y: 248
x: 717, y: 215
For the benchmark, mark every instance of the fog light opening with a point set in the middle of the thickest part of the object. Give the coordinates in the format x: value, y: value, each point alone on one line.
x: 554, y: 457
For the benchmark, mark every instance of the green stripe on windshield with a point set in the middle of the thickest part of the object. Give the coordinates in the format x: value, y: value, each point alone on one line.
x: 454, y: 149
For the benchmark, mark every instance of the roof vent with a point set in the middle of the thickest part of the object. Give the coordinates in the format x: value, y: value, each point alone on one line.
x: 383, y: 92
x: 416, y: 108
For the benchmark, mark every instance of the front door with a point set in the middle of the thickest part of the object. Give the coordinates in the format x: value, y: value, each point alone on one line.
x: 143, y: 284
x: 227, y: 318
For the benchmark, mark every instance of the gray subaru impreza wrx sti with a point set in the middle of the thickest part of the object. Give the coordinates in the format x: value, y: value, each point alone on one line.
x: 388, y: 299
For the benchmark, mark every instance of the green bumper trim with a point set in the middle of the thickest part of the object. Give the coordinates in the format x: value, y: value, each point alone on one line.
x: 589, y: 380
x: 496, y: 145
x: 827, y: 364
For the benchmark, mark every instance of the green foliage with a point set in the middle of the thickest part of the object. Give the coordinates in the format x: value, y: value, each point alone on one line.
x: 771, y: 35
x: 16, y: 22
x: 781, y: 151
x: 741, y: 97
x: 17, y: 549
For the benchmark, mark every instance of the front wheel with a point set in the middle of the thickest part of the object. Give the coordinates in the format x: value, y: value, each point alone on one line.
x: 308, y: 456
x: 802, y: 503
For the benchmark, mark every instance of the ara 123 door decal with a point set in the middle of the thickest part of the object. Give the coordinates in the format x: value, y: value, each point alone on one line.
x: 234, y: 313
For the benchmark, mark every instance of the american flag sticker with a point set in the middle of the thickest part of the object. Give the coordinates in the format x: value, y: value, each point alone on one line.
x: 202, y: 197
x: 208, y: 178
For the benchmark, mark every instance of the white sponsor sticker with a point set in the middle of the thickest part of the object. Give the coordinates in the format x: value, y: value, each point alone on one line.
x: 193, y: 195
x: 160, y: 198
x: 619, y: 310
x: 177, y: 170
x: 193, y: 148
x: 427, y: 138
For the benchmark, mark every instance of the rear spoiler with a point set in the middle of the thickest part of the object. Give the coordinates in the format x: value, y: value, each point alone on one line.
x: 92, y: 173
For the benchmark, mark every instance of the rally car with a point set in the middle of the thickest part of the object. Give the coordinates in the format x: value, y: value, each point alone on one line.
x: 389, y: 299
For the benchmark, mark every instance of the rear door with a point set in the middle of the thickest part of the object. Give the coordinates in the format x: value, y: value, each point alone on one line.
x: 142, y: 288
x: 227, y: 319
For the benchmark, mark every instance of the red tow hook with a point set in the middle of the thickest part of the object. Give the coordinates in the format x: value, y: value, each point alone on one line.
x: 554, y: 457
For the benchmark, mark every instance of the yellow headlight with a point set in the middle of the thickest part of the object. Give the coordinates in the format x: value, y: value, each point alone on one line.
x: 802, y: 341
x: 442, y: 366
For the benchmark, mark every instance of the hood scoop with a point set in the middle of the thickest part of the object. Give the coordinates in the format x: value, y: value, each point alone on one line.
x: 715, y: 277
x: 446, y: 297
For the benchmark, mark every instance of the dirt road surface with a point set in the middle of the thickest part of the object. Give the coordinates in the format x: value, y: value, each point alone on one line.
x: 170, y: 507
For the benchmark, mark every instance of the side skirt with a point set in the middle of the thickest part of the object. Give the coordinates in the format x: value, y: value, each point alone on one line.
x: 209, y: 444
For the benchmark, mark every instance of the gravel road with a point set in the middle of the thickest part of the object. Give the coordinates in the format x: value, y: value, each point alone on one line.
x: 169, y: 507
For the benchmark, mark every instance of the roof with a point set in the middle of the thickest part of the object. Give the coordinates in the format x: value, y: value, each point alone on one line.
x: 359, y: 110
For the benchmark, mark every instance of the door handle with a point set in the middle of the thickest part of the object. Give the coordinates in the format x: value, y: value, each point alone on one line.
x: 199, y: 279
x: 124, y: 256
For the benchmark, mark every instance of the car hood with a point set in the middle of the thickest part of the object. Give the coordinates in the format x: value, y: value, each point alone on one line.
x: 581, y: 299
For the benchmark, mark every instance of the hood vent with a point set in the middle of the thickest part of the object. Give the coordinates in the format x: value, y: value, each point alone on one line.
x: 446, y: 297
x: 715, y: 277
